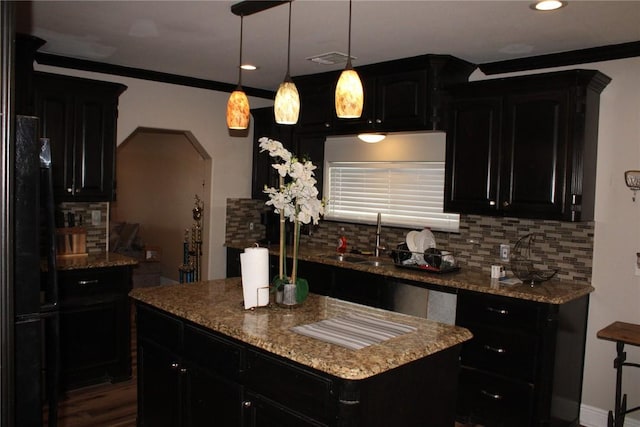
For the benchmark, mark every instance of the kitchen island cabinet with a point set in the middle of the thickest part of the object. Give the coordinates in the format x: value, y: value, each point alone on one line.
x: 203, y: 345
x: 524, y: 146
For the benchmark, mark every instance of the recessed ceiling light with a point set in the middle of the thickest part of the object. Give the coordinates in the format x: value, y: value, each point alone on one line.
x: 546, y: 5
x: 248, y: 67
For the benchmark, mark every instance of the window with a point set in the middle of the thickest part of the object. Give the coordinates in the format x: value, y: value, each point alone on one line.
x: 408, y: 194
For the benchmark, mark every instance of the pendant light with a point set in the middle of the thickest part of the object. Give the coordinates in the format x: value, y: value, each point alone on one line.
x: 286, y: 107
x: 349, y: 94
x: 238, y: 104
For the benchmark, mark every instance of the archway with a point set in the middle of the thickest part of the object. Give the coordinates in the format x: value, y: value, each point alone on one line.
x: 158, y: 174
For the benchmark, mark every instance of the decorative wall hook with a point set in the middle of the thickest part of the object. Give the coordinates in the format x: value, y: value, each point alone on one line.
x: 632, y: 179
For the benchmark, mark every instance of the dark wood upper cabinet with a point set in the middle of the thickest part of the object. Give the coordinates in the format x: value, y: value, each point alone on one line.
x: 317, y: 108
x: 524, y: 146
x: 79, y: 117
x: 263, y: 173
x: 400, y: 95
x: 309, y: 146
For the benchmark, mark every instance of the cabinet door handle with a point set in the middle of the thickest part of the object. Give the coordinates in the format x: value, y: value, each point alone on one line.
x: 175, y: 365
x: 505, y: 204
x: 492, y: 202
x: 494, y: 349
x: 246, y: 404
x: 69, y: 190
x: 501, y: 311
x: 378, y: 121
x: 493, y: 396
x: 88, y: 282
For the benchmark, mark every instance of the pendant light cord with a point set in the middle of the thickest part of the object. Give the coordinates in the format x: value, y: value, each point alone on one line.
x: 349, y: 40
x: 289, y: 43
x: 240, y: 64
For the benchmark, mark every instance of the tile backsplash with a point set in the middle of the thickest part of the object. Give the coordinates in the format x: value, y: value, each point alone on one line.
x: 566, y: 246
x: 96, y: 234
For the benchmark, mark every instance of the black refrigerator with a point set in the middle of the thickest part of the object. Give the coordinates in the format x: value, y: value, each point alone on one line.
x: 37, y: 352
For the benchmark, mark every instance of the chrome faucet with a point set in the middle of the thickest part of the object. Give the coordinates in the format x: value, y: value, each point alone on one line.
x: 376, y: 250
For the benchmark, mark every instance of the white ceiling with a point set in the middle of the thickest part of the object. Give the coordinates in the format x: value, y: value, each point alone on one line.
x: 201, y: 38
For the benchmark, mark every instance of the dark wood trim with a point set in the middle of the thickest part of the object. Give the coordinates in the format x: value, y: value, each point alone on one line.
x: 581, y: 56
x: 137, y: 73
x: 249, y: 7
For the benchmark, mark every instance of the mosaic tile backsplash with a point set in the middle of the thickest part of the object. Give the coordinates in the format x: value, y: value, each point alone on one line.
x: 566, y: 246
x: 96, y: 234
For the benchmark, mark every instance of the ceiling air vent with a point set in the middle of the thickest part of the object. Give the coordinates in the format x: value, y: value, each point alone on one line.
x: 330, y: 58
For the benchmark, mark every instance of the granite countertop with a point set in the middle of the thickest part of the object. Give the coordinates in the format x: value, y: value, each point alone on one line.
x: 101, y: 260
x: 217, y: 305
x: 550, y: 292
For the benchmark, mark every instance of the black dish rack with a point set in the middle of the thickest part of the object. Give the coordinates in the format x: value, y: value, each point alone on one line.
x: 432, y: 260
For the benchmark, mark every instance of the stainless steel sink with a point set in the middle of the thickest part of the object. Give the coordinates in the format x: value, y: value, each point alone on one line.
x: 361, y: 260
x: 346, y: 258
x: 375, y: 262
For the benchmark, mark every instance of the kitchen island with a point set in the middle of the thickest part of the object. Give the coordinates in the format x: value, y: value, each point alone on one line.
x: 202, y: 357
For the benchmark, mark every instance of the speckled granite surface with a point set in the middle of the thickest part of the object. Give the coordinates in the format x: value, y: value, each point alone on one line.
x: 552, y: 291
x: 103, y: 259
x: 217, y: 305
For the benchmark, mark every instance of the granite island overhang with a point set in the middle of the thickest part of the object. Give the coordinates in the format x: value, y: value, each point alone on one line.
x: 408, y: 379
x: 217, y: 305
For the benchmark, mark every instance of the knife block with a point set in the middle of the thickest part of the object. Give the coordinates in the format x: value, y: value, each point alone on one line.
x: 71, y: 241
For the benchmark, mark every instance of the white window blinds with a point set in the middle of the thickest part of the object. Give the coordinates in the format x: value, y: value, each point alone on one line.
x: 408, y: 194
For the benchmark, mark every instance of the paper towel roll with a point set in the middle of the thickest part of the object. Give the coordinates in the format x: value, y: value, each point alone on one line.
x: 254, y: 264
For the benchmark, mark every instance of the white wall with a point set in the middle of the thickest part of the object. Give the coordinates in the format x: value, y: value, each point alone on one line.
x: 616, y: 240
x: 202, y: 112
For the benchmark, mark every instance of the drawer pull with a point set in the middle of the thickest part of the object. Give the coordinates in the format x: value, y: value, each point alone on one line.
x: 88, y: 282
x: 175, y: 365
x: 494, y: 349
x: 493, y: 396
x: 501, y: 311
x: 246, y: 404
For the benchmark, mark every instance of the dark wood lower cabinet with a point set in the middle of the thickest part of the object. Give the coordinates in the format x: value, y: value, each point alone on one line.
x: 525, y: 363
x: 229, y: 383
x: 266, y: 413
x: 159, y: 381
x: 95, y: 326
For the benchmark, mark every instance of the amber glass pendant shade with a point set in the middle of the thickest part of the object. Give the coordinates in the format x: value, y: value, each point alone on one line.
x: 349, y: 95
x: 238, y: 110
x: 286, y: 107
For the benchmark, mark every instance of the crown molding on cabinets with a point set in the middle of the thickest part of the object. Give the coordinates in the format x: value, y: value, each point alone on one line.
x: 119, y: 70
x: 582, y: 56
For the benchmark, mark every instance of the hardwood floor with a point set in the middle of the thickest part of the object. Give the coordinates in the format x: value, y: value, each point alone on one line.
x: 102, y: 405
x: 112, y: 405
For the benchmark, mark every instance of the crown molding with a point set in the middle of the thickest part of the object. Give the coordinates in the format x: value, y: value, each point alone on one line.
x: 581, y: 56
x: 137, y: 73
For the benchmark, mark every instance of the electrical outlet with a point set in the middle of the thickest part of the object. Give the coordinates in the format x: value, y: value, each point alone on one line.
x: 504, y: 252
x: 250, y: 226
x: 95, y: 217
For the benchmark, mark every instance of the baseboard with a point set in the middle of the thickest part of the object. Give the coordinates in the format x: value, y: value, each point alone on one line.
x: 595, y: 417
